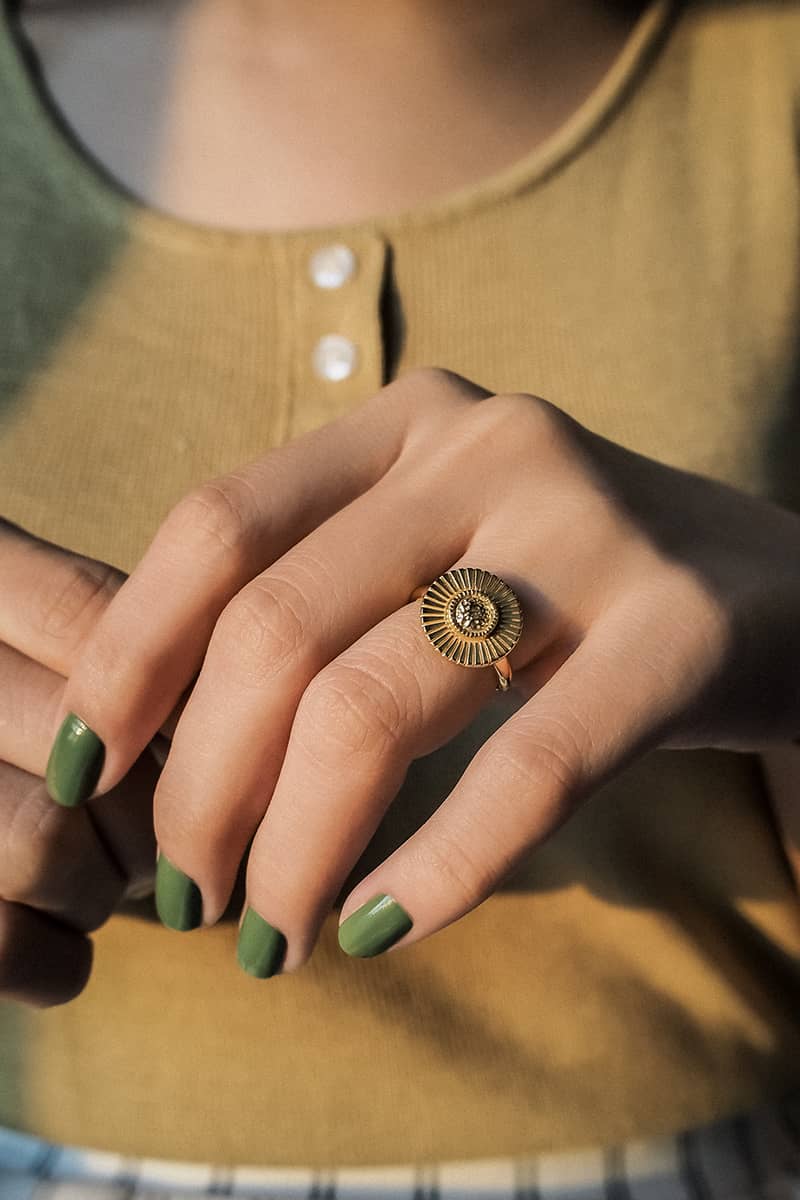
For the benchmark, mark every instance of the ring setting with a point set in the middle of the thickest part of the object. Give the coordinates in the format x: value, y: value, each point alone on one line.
x: 473, y: 618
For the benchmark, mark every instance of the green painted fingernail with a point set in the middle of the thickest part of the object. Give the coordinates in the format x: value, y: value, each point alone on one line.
x: 179, y: 903
x: 261, y: 948
x: 374, y: 927
x: 75, y: 762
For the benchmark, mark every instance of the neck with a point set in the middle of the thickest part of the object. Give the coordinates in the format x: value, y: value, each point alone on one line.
x: 458, y: 29
x: 286, y: 113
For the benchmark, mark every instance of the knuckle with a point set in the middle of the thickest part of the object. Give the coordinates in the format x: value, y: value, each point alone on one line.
x: 213, y: 520
x: 346, y: 711
x: 263, y: 629
x: 518, y: 425
x: 523, y: 418
x: 546, y: 767
x: 422, y: 385
x: 33, y: 840
x: 695, y: 629
x: 177, y: 825
x: 552, y: 770
x: 445, y: 856
x: 35, y: 702
x: 67, y: 610
x: 703, y: 616
x: 51, y: 857
x: 201, y: 836
x: 431, y: 378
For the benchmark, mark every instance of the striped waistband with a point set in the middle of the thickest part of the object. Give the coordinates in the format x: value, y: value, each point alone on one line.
x: 753, y: 1155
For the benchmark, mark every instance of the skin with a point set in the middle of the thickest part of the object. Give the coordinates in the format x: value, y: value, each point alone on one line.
x: 61, y: 873
x: 671, y: 622
x: 279, y: 114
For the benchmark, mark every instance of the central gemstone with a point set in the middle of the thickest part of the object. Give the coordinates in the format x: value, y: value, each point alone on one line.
x: 474, y: 615
x: 470, y: 614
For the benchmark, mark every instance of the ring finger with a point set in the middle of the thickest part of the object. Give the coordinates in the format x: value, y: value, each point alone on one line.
x: 387, y: 700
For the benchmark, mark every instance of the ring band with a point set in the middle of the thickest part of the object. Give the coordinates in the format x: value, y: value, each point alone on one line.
x: 473, y: 618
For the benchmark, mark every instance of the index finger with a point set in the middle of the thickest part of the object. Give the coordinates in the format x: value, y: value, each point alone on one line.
x: 50, y: 598
x: 153, y: 636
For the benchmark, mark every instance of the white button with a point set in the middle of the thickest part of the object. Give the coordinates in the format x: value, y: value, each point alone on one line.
x: 335, y: 357
x: 332, y: 266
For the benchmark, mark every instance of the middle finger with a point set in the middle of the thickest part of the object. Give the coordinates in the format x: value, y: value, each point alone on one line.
x: 273, y: 638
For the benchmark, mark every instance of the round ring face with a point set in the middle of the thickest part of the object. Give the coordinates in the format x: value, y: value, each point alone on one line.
x: 471, y: 616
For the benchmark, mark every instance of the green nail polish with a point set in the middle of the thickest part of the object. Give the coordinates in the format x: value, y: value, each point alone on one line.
x: 374, y: 927
x: 261, y: 948
x: 75, y: 762
x: 179, y: 903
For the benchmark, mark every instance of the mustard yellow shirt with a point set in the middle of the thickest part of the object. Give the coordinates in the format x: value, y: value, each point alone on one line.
x: 640, y: 269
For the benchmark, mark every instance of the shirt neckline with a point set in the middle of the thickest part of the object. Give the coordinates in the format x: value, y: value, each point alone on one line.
x: 75, y: 167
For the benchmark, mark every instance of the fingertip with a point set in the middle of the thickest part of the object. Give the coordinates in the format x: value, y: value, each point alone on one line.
x: 179, y: 901
x: 75, y: 762
x: 76, y: 974
x: 261, y: 948
x: 42, y: 962
x: 374, y: 927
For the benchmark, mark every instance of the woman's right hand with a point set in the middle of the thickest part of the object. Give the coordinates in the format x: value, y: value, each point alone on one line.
x: 62, y: 871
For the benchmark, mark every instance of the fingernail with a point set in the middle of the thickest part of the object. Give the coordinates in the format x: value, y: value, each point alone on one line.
x: 75, y: 762
x: 179, y: 903
x: 261, y: 948
x: 374, y: 927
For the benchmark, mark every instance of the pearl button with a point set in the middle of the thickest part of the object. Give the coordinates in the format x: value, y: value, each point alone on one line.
x: 331, y: 266
x: 335, y: 357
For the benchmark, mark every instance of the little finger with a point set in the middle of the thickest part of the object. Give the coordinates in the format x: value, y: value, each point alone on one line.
x: 614, y: 697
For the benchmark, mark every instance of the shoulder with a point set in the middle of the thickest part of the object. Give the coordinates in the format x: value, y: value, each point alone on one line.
x: 759, y: 37
x: 727, y: 80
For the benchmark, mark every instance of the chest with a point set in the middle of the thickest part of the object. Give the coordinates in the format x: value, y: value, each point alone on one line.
x: 648, y: 286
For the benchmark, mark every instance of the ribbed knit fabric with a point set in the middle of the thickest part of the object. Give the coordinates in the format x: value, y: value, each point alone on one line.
x: 641, y: 973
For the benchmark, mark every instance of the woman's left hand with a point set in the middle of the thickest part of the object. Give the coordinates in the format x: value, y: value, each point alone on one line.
x: 660, y: 609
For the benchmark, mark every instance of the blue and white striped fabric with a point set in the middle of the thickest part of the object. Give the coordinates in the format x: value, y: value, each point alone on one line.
x: 750, y: 1156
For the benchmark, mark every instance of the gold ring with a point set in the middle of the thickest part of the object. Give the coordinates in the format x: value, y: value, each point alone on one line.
x: 473, y: 618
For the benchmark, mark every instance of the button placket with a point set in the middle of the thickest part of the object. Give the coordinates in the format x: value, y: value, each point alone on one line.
x: 334, y: 357
x: 338, y: 339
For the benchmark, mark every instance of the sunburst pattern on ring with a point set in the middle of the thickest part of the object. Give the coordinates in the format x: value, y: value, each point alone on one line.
x: 471, y: 616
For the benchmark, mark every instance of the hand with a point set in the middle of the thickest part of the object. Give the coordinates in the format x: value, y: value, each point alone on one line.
x: 661, y: 609
x: 61, y: 873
